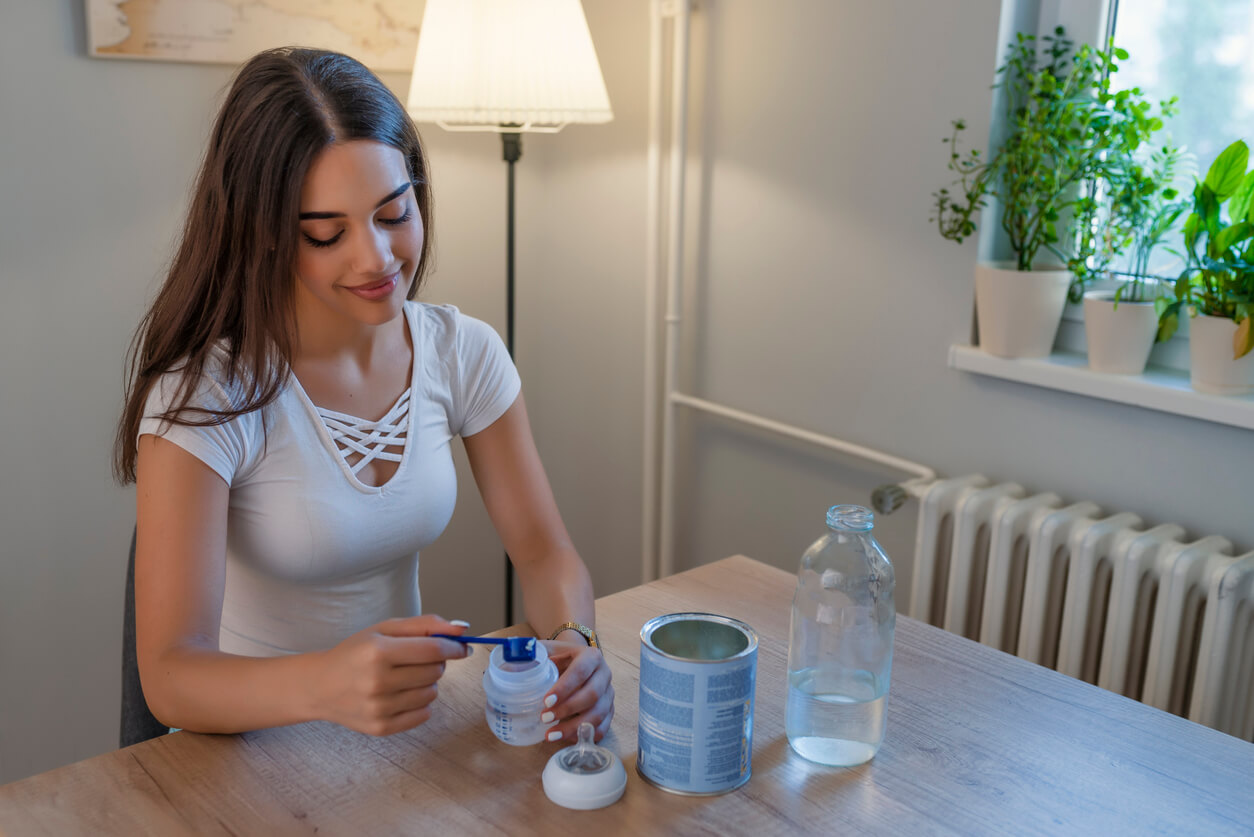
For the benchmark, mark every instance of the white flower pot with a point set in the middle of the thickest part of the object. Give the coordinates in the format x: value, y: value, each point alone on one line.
x: 1119, y: 337
x: 1211, y: 367
x: 1019, y: 310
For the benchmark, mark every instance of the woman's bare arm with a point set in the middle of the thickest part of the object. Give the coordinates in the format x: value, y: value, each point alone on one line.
x: 555, y: 582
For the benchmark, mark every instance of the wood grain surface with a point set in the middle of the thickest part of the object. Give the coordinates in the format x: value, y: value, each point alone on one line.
x: 978, y: 742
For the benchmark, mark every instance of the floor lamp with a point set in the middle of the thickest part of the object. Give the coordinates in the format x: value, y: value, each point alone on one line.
x: 509, y: 66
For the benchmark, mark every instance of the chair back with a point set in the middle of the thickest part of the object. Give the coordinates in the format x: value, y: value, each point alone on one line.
x: 138, y: 722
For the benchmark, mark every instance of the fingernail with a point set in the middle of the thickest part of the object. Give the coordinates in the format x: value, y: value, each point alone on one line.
x: 461, y: 623
x: 547, y: 717
x: 550, y: 700
x: 554, y: 736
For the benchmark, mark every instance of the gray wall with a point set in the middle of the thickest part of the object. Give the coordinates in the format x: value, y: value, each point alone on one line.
x: 819, y: 295
x: 96, y: 159
x: 822, y: 296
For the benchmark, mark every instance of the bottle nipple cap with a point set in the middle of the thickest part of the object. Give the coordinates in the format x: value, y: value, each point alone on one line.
x: 584, y: 776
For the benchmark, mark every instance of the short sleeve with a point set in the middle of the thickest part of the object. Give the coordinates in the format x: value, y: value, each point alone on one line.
x: 225, y: 447
x: 486, y: 383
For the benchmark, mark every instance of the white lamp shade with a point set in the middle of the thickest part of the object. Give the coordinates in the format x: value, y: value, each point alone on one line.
x: 506, y: 62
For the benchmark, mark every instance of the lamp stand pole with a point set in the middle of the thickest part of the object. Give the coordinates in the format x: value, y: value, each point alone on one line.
x: 511, y: 146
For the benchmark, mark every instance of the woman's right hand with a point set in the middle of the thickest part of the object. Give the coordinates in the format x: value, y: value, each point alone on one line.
x: 383, y: 680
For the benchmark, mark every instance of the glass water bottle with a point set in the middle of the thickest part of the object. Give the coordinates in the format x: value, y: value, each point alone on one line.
x: 840, y: 649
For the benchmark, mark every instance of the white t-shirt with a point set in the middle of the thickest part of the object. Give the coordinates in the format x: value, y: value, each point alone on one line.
x: 313, y: 554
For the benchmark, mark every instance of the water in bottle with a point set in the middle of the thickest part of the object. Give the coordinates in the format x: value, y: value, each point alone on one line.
x: 841, y: 643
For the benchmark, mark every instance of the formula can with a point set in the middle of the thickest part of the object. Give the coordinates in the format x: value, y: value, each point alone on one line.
x: 697, y: 673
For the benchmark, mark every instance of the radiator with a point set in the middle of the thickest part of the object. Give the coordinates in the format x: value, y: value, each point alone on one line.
x: 1140, y: 610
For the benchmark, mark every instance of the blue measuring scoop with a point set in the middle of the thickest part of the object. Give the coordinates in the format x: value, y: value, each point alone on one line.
x: 517, y: 649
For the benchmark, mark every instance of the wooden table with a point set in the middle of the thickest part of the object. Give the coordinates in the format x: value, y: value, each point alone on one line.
x: 978, y: 742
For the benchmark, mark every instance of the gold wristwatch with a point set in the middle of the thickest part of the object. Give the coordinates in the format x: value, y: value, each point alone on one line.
x: 583, y: 630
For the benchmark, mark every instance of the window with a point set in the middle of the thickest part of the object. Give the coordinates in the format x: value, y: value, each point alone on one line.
x: 1193, y: 50
x: 1198, y: 51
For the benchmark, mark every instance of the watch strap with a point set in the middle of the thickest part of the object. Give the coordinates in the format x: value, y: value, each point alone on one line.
x: 583, y: 630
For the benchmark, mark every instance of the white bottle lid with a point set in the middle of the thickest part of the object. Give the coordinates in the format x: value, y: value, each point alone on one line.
x: 584, y: 776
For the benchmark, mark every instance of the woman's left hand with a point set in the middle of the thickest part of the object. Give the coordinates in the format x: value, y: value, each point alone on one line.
x: 583, y: 692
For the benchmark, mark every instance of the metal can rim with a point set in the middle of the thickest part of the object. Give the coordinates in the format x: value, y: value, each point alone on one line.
x: 684, y: 792
x: 648, y: 629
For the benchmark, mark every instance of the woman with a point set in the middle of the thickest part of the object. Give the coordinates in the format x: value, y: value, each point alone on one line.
x: 288, y: 426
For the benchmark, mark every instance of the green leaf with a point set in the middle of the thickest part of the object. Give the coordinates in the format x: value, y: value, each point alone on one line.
x: 1243, y: 340
x: 1167, y: 327
x: 1229, y: 236
x: 1239, y: 203
x: 1209, y: 204
x: 1192, y: 226
x: 1182, y: 287
x: 1226, y: 172
x: 1121, y: 54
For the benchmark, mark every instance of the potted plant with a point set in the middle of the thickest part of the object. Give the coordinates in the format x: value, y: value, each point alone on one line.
x: 1061, y: 123
x: 1217, y: 285
x: 1140, y: 205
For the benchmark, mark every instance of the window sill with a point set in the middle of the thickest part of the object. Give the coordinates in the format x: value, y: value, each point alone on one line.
x: 1165, y: 390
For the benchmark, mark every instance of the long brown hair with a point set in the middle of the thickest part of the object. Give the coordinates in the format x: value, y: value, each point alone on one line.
x: 232, y: 277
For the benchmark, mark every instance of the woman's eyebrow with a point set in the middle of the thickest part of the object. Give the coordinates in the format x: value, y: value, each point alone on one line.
x: 313, y: 216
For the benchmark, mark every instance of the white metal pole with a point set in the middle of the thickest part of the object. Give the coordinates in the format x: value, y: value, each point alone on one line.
x: 652, y: 273
x: 921, y: 472
x: 674, y: 278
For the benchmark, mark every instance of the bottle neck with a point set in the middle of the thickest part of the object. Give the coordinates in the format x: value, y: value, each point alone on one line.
x: 850, y: 519
x: 521, y: 677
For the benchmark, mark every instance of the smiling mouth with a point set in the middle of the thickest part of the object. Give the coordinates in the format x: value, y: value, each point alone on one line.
x: 376, y: 290
x: 389, y: 280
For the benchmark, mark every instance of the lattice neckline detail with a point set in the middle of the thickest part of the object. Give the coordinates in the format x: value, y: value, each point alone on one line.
x: 370, y: 440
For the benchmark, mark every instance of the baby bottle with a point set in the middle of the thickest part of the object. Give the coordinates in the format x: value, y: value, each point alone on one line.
x: 515, y: 696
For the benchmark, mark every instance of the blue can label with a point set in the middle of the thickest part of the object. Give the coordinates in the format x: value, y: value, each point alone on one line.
x: 696, y: 721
